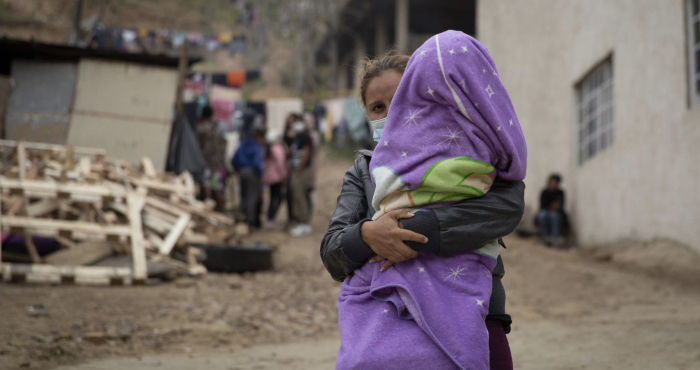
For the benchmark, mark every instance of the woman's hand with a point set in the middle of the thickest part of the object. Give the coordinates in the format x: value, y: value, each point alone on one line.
x: 386, y: 238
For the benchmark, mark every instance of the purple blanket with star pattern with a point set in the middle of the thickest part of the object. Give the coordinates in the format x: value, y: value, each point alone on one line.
x: 450, y: 131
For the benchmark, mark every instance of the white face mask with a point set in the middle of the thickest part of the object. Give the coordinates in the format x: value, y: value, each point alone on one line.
x: 298, y: 127
x: 378, y: 126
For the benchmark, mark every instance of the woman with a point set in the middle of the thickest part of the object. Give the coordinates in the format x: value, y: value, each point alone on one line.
x: 274, y: 174
x: 353, y: 239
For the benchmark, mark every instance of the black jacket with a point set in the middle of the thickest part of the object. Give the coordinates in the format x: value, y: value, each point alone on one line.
x: 458, y: 228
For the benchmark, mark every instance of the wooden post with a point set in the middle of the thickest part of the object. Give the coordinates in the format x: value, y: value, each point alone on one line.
x: 182, y: 75
x: 401, y: 31
x: 135, y: 203
x: 381, y: 38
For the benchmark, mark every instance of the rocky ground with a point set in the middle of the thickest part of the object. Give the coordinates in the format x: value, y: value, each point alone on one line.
x: 631, y: 306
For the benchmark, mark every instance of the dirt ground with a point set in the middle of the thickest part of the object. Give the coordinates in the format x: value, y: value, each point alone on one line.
x: 633, y: 306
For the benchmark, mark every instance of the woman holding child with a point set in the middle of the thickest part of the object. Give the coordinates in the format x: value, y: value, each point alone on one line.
x: 451, y: 151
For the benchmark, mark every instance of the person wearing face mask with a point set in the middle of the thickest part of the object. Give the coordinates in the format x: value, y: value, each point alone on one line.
x: 301, y: 155
x: 354, y: 239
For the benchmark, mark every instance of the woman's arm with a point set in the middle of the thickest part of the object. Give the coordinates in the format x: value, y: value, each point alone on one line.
x: 468, y: 225
x: 342, y: 258
x: 351, y: 239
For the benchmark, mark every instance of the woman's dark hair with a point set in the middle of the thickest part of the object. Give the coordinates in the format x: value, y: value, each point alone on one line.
x: 371, y: 68
x: 293, y: 117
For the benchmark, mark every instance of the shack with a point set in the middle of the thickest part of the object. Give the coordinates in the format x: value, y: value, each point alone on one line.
x: 122, y: 102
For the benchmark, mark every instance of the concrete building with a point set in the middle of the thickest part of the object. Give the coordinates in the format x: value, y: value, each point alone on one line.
x: 607, y: 94
x: 118, y: 101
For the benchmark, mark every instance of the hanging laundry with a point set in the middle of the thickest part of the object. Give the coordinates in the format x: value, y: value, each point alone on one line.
x: 223, y: 102
x: 279, y: 109
x: 225, y: 37
x: 236, y: 78
x: 219, y: 79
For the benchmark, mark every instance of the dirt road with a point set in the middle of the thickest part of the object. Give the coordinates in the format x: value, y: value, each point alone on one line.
x: 636, y: 308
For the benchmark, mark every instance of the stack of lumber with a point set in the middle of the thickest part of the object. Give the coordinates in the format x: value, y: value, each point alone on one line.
x: 96, y: 206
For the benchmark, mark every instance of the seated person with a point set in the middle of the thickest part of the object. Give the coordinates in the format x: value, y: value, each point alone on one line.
x: 551, y: 216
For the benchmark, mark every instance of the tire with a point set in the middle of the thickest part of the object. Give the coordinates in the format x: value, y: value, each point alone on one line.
x: 249, y: 258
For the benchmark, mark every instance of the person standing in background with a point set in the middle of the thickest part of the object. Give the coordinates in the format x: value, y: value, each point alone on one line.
x: 289, y: 135
x: 274, y: 173
x: 213, y: 145
x: 312, y: 129
x: 249, y: 163
x: 301, y: 151
x: 550, y: 218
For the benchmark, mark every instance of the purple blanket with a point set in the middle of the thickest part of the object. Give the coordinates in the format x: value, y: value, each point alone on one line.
x: 450, y: 131
x: 425, y: 313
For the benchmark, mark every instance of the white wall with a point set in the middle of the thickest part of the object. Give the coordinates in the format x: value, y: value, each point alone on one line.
x: 647, y: 184
x: 124, y: 108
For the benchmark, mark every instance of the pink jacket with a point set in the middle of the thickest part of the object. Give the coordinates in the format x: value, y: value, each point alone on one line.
x: 275, y: 166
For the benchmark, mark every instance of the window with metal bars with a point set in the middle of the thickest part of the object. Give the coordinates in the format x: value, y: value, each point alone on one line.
x: 693, y: 22
x: 595, y: 111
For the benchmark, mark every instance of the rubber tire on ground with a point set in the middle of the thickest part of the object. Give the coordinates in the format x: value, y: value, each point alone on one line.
x: 224, y: 258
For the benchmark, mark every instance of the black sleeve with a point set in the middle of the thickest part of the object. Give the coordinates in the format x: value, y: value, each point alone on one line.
x: 562, y: 199
x: 342, y: 248
x: 543, y: 200
x: 305, y: 140
x: 469, y: 224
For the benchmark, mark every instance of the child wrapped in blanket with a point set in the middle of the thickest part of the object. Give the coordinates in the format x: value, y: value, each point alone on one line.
x: 451, y: 130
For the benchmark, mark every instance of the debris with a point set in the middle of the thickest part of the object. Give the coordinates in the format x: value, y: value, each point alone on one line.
x: 95, y: 207
x: 97, y: 338
x: 37, y: 310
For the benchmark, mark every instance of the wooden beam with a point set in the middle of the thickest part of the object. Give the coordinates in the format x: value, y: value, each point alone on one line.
x: 84, y: 253
x: 135, y: 203
x: 41, y: 207
x: 40, y: 226
x: 53, y: 188
x: 148, y: 168
x: 169, y: 207
x: 175, y: 234
x: 22, y: 160
x: 54, y: 147
x: 31, y: 248
x: 58, y: 274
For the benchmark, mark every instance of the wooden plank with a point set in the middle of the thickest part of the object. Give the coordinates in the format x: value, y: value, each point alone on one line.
x: 84, y: 166
x: 54, y: 147
x: 65, y: 242
x: 135, y: 203
x: 22, y: 160
x: 148, y: 168
x: 168, y: 207
x: 175, y: 234
x: 16, y: 205
x: 31, y: 248
x: 157, y: 185
x: 42, y: 207
x: 84, y: 253
x: 38, y: 225
x: 56, y: 188
x: 61, y: 274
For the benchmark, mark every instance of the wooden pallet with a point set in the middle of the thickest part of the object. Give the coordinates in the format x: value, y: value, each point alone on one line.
x: 81, y: 197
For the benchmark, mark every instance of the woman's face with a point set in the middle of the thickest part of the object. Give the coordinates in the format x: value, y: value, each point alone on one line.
x: 380, y: 91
